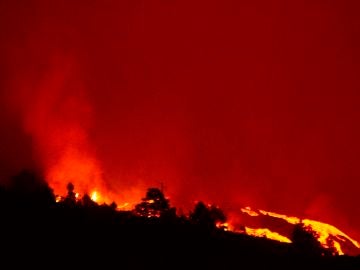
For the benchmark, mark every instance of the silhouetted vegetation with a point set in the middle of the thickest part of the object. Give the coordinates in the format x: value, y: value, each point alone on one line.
x: 305, y: 240
x: 78, y: 230
x: 70, y: 198
x: 28, y: 189
x: 207, y: 216
x: 153, y: 205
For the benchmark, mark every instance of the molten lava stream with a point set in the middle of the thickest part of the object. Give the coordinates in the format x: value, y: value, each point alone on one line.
x: 323, y: 230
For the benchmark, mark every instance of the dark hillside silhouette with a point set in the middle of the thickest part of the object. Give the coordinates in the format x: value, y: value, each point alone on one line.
x: 82, y: 233
x: 28, y: 189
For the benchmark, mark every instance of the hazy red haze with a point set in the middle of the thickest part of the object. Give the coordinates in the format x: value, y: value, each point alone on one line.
x: 232, y: 102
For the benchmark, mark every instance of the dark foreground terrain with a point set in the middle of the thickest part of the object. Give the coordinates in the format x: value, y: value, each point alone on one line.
x: 36, y: 231
x: 114, y: 240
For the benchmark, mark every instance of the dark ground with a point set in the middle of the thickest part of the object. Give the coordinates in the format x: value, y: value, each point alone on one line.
x: 114, y: 240
x: 36, y: 232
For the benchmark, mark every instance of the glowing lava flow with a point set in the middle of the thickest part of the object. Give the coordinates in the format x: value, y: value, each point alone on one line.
x: 250, y: 212
x: 323, y: 230
x: 263, y: 232
x: 291, y: 220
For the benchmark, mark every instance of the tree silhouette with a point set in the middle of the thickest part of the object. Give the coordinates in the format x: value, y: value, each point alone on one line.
x: 30, y: 190
x: 207, y: 215
x: 86, y: 201
x: 305, y: 240
x: 113, y: 205
x: 153, y: 205
x: 70, y: 199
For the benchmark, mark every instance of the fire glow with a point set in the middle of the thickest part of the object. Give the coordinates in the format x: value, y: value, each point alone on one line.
x: 264, y: 232
x: 323, y: 230
x: 95, y: 196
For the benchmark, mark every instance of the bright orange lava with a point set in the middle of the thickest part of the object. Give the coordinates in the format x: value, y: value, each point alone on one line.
x: 324, y: 230
x: 264, y: 232
x: 250, y: 212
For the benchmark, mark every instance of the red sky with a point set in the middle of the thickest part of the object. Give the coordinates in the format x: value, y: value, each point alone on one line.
x: 232, y: 102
